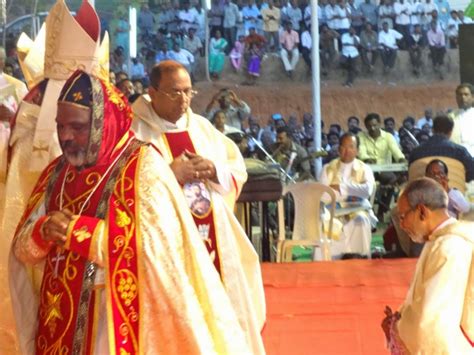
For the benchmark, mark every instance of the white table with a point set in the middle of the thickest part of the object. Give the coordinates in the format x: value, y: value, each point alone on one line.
x: 384, y: 168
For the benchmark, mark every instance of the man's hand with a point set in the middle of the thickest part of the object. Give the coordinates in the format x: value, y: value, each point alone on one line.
x: 401, y: 160
x: 55, y: 227
x: 370, y: 161
x: 335, y: 187
x: 6, y: 113
x: 192, y: 167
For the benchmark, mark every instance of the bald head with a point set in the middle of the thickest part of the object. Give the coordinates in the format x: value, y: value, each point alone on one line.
x: 164, y: 68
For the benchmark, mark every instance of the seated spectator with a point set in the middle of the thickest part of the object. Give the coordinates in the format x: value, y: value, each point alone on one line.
x: 138, y: 86
x: 416, y: 45
x: 437, y: 43
x: 353, y: 123
x: 369, y: 47
x: 163, y: 54
x: 137, y: 70
x: 422, y: 137
x: 237, y: 53
x: 350, y: 53
x: 254, y: 38
x: 427, y: 129
x: 236, y: 110
x: 217, y: 47
x: 193, y: 44
x: 255, y: 132
x: 440, y: 145
x: 452, y: 32
x: 438, y: 170
x: 353, y: 182
x: 253, y: 68
x: 183, y: 57
x: 327, y: 48
x: 388, y: 46
x: 389, y: 126
x: 308, y: 129
x: 332, y: 147
x: 289, y: 40
x: 219, y: 121
x: 126, y: 87
x: 426, y: 119
x: 336, y: 128
x: 292, y: 157
x: 306, y: 45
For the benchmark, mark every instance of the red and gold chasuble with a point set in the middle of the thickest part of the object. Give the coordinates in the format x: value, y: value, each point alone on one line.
x: 68, y: 311
x: 197, y: 195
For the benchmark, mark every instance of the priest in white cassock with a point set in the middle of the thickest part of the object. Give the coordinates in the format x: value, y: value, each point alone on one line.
x: 437, y: 316
x: 64, y: 44
x: 211, y: 172
x: 353, y: 183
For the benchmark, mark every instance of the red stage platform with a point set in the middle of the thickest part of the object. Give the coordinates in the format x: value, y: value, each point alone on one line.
x: 332, y: 307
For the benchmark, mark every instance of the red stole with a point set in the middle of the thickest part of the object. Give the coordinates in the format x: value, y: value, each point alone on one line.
x: 62, y: 284
x: 177, y: 143
x: 59, y: 314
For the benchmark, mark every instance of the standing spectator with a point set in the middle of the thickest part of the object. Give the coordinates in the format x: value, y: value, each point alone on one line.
x: 402, y: 20
x: 174, y: 21
x: 231, y: 16
x: 164, y: 17
x: 306, y: 45
x: 343, y: 14
x: 426, y: 14
x: 452, y: 31
x: 331, y: 15
x: 187, y: 18
x: 146, y: 21
x: 350, y: 53
x: 388, y: 46
x: 463, y: 117
x: 444, y: 10
x: 416, y: 45
x: 122, y: 35
x: 201, y: 23
x: 369, y: 13
x: 271, y: 25
x: 215, y: 15
x: 237, y: 53
x: 369, y: 47
x: 437, y: 43
x: 416, y: 9
x: 217, y: 54
x: 328, y: 50
x: 386, y: 14
x: 137, y: 71
x: 294, y: 15
x: 356, y: 17
x: 289, y: 41
x: 250, y: 14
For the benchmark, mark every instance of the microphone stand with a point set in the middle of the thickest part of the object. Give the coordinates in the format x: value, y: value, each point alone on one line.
x: 270, y: 157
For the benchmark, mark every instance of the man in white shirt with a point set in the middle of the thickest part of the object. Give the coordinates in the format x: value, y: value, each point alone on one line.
x: 343, y: 12
x: 306, y: 45
x: 331, y: 15
x: 426, y: 119
x: 182, y: 56
x: 464, y: 20
x: 426, y: 10
x: 402, y: 20
x: 187, y: 17
x: 388, y: 46
x: 294, y: 14
x: 416, y: 8
x: 349, y: 54
x: 452, y: 31
x: 353, y: 182
x: 463, y: 117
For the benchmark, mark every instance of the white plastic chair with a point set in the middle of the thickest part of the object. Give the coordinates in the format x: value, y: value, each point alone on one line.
x: 308, y: 228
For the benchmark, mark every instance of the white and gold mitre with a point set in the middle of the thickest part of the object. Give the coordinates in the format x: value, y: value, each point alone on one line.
x: 71, y: 42
x: 67, y: 43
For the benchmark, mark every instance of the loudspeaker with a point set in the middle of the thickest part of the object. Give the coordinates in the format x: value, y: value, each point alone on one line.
x: 466, y: 53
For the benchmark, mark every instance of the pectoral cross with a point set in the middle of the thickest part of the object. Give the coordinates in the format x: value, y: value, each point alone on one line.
x: 59, y: 256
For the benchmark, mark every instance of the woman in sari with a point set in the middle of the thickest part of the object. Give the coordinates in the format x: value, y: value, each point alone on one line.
x: 217, y: 54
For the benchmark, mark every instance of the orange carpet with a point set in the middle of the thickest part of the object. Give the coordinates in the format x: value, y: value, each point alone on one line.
x: 331, y: 307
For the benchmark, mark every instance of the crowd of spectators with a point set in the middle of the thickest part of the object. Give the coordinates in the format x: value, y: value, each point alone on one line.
x: 353, y: 34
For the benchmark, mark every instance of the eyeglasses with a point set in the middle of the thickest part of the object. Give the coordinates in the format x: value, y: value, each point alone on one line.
x: 176, y: 94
